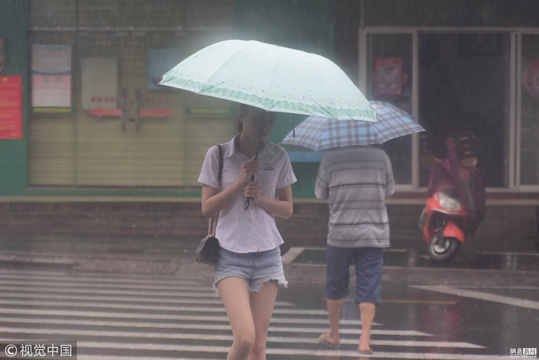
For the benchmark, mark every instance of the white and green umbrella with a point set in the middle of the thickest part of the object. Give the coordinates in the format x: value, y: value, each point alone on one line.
x: 272, y: 78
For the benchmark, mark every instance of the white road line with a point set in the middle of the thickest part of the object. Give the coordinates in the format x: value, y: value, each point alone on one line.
x: 292, y: 254
x: 133, y: 295
x: 279, y: 351
x: 104, y: 279
x: 167, y: 325
x: 125, y: 307
x: 507, y: 253
x: 288, y: 329
x: 106, y: 299
x: 38, y: 287
x: 104, y: 314
x: 395, y: 250
x: 73, y: 283
x: 217, y: 337
x: 295, y: 251
x: 120, y: 357
x: 103, y: 299
x: 171, y: 294
x: 528, y: 304
x: 500, y: 287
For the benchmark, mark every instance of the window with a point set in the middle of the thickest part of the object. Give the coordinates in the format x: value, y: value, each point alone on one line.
x: 464, y: 87
x: 389, y: 79
x: 529, y: 111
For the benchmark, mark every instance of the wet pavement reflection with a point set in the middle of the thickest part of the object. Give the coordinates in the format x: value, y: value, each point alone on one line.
x: 480, y: 321
x: 413, y: 257
x: 156, y: 303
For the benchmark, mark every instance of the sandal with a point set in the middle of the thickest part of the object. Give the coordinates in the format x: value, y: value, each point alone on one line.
x: 323, y: 339
x: 368, y: 352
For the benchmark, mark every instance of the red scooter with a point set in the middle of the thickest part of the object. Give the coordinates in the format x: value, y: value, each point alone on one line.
x: 455, y: 203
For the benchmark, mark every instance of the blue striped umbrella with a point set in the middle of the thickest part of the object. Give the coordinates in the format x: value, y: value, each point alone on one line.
x: 318, y: 133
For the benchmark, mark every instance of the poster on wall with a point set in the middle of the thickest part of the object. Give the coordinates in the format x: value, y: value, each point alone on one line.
x: 10, y: 107
x: 51, y: 78
x: 531, y: 78
x: 159, y: 62
x: 99, y: 83
x: 388, y: 76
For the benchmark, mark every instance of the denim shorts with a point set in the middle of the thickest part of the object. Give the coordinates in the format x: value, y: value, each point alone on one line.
x: 256, y: 268
x: 368, y: 263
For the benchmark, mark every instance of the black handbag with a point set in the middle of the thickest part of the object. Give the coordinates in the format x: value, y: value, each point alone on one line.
x: 207, y: 251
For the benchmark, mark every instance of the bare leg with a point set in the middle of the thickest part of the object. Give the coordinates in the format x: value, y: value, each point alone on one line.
x: 367, y: 311
x: 334, y: 313
x: 262, y: 304
x: 235, y: 297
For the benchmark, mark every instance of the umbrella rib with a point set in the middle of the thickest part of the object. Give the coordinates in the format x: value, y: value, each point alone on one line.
x: 205, y: 86
x: 273, y: 75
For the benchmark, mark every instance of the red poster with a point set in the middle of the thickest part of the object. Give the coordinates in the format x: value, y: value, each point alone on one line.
x: 388, y: 76
x: 10, y: 107
x: 531, y: 80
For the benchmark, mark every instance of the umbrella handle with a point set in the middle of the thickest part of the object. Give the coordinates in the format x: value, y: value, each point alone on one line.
x: 248, y: 201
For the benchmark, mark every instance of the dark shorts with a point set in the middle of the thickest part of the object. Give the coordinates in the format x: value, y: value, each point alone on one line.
x: 368, y: 263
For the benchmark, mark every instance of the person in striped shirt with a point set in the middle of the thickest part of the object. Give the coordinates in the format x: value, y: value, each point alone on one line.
x: 355, y: 181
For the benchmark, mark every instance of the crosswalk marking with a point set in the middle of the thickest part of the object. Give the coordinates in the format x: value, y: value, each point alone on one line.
x: 73, y: 283
x: 67, y: 296
x: 529, y: 304
x: 219, y: 337
x: 274, y: 320
x: 132, y: 317
x: 281, y: 329
x: 114, y: 357
x: 98, y: 279
x: 111, y: 299
x: 124, y: 307
x: 103, y: 303
x: 279, y: 351
x: 158, y: 294
x: 164, y: 325
x: 334, y: 354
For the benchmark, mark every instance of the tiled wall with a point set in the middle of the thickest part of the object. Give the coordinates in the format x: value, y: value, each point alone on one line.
x: 307, y: 227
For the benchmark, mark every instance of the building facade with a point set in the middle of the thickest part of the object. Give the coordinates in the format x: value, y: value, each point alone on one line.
x: 100, y: 147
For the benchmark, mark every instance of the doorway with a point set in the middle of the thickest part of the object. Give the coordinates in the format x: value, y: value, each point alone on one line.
x: 464, y: 86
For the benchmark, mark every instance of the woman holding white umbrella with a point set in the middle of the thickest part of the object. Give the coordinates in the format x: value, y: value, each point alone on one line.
x: 264, y: 78
x: 250, y: 268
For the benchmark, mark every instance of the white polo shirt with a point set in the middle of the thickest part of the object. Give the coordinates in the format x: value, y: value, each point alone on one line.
x: 253, y: 230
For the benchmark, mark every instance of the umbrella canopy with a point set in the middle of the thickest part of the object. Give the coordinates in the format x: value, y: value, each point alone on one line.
x: 273, y: 78
x: 319, y: 133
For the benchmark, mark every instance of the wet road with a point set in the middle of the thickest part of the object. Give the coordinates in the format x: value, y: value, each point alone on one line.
x: 426, y: 313
x: 454, y: 322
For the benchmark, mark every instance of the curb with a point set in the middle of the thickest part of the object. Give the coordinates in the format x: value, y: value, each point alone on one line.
x: 103, y: 263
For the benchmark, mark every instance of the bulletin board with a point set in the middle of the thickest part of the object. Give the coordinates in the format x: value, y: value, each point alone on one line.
x: 51, y: 76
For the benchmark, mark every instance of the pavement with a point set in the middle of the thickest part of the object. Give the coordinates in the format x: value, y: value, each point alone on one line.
x: 485, y: 297
x: 406, y: 261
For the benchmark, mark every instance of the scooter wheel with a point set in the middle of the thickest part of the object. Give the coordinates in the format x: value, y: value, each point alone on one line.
x: 442, y: 248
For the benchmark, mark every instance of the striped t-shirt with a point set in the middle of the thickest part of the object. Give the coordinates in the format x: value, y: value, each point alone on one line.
x: 356, y: 181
